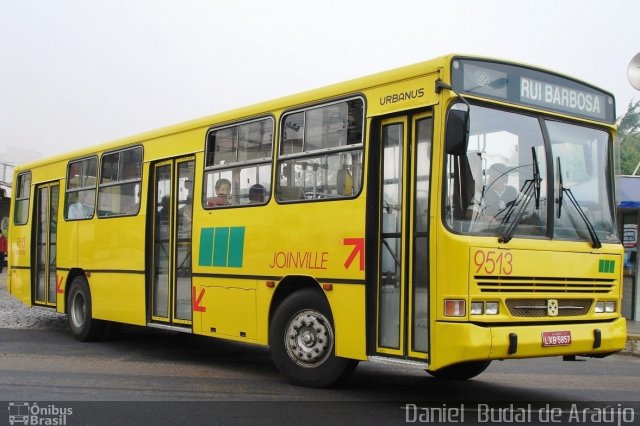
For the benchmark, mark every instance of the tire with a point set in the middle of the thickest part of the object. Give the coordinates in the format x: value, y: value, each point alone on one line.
x: 79, y: 313
x: 462, y: 371
x: 302, y: 341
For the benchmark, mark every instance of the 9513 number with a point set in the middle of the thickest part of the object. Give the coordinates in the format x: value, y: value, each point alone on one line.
x: 493, y: 262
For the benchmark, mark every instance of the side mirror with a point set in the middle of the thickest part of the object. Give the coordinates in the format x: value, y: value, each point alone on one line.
x: 457, y: 136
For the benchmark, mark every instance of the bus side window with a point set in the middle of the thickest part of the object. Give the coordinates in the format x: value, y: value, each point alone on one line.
x: 238, y: 164
x: 21, y: 208
x: 81, y: 189
x: 119, y: 193
x: 321, y: 152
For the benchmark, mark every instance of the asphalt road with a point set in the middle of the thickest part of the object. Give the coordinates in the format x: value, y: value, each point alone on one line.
x: 140, y: 376
x: 205, y: 380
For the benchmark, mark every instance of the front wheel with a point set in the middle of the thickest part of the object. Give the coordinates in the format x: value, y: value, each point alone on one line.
x: 82, y: 325
x: 302, y: 341
x: 461, y: 371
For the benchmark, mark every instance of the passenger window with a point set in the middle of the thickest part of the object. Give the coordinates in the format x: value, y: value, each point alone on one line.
x: 120, y: 181
x: 321, y: 152
x: 292, y: 134
x: 21, y: 215
x: 80, y: 196
x: 238, y: 165
x: 225, y: 146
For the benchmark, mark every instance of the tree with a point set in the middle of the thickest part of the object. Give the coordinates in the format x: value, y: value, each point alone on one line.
x: 629, y: 139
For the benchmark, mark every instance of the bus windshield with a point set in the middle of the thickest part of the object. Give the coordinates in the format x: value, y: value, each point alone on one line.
x: 504, y: 186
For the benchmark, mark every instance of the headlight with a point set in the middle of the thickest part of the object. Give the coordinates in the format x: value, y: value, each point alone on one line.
x: 477, y: 308
x: 609, y: 307
x: 492, y: 308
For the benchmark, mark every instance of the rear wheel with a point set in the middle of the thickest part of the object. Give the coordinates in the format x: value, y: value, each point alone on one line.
x: 462, y: 371
x: 82, y: 325
x: 302, y: 341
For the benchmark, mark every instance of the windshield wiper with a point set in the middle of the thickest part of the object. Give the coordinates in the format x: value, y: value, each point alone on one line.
x: 562, y: 190
x: 536, y: 177
x: 530, y: 188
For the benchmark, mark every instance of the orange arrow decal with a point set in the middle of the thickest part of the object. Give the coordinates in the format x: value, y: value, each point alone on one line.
x: 197, y: 307
x: 59, y: 288
x: 358, y: 249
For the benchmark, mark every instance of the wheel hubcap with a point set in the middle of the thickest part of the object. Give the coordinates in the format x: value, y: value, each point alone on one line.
x: 78, y: 310
x: 309, y: 338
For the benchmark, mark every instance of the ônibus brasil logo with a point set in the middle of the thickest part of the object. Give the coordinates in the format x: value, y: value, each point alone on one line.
x: 25, y: 413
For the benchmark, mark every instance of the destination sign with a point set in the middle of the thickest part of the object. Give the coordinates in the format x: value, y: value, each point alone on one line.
x: 532, y: 87
x: 548, y: 95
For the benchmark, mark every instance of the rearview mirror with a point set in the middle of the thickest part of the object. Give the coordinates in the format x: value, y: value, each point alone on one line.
x: 457, y: 136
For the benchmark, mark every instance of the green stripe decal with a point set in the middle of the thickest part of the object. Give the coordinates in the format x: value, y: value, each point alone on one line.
x: 222, y: 247
x: 606, y: 266
x: 236, y: 247
x: 205, y: 257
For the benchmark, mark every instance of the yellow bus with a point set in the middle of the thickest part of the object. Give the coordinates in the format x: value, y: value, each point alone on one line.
x: 439, y: 215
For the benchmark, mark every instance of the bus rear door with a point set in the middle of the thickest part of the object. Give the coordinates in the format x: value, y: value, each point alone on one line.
x: 44, y: 278
x: 170, y: 295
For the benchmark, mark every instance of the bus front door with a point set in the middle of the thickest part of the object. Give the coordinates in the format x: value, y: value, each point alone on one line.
x: 170, y: 279
x: 46, y: 230
x: 402, y: 294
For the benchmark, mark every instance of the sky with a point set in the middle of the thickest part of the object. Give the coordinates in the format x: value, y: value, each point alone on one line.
x: 75, y: 73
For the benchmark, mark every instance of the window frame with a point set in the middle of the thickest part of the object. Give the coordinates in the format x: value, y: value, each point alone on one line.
x: 20, y: 198
x: 237, y: 165
x: 321, y: 152
x: 120, y: 181
x: 80, y: 189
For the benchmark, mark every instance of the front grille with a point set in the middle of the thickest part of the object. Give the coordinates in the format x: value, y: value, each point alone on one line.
x: 511, y: 284
x: 538, y: 307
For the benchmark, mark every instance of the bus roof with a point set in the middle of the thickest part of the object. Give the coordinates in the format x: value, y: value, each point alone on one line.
x: 440, y: 64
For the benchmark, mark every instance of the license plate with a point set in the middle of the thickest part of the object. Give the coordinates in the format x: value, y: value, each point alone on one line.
x: 556, y: 338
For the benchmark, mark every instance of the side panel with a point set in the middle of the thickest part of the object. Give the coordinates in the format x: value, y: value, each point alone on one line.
x: 113, y: 256
x: 348, y: 307
x: 118, y: 297
x: 220, y: 308
x: 19, y: 280
x: 111, y: 243
x: 320, y: 240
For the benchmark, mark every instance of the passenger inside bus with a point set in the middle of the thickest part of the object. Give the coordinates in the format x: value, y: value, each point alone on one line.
x: 185, y: 210
x: 163, y: 211
x: 257, y: 194
x: 223, y: 190
x: 77, y: 210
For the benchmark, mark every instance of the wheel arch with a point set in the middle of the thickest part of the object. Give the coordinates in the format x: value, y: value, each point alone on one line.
x: 349, y: 324
x: 289, y: 285
x: 72, y: 275
x: 302, y: 335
